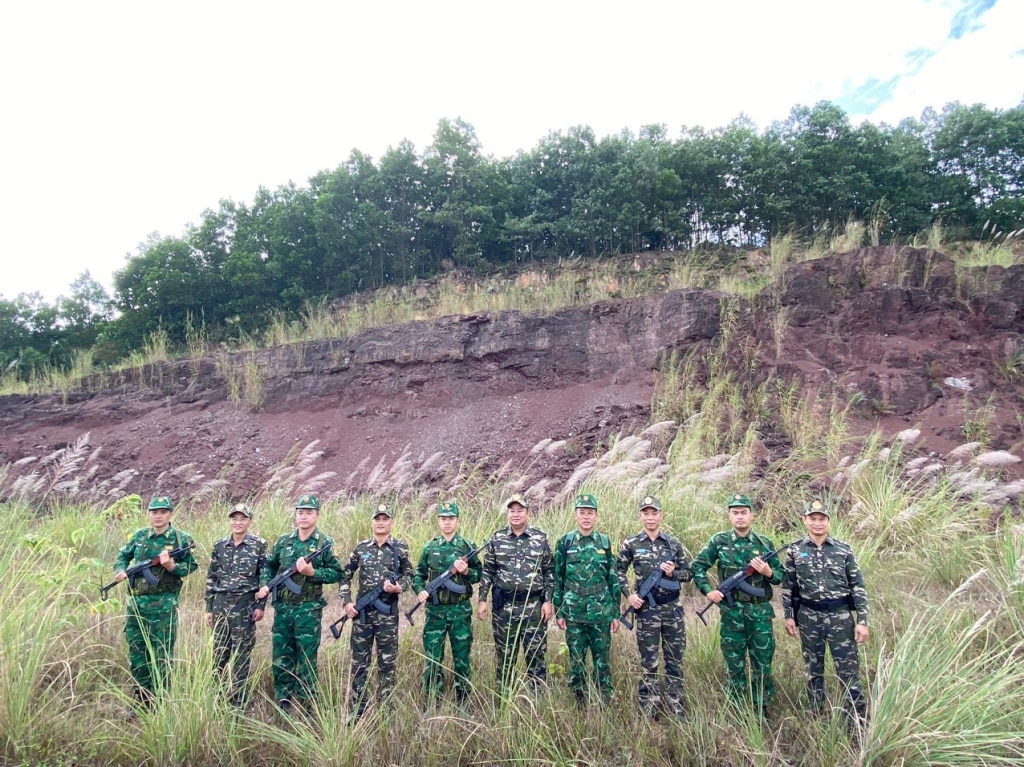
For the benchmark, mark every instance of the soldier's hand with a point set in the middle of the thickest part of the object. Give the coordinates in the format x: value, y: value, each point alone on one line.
x: 761, y: 566
x: 547, y: 612
x: 302, y: 567
x: 209, y: 619
x: 716, y: 596
x: 615, y: 625
x: 860, y: 633
x: 423, y: 596
x: 263, y: 593
x: 481, y: 610
x: 257, y: 615
x: 460, y: 566
x: 120, y: 576
x: 635, y: 602
x: 165, y: 561
x: 791, y: 627
x: 668, y: 568
x: 561, y: 623
x: 351, y: 611
x: 392, y: 588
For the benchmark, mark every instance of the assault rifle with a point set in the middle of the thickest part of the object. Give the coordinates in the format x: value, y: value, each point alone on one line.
x: 444, y: 580
x: 285, y: 578
x: 740, y: 580
x: 656, y: 579
x: 146, y: 569
x: 373, y: 598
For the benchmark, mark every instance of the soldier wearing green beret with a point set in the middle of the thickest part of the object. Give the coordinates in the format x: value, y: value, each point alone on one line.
x: 449, y: 614
x: 746, y: 626
x: 587, y: 600
x: 152, y: 623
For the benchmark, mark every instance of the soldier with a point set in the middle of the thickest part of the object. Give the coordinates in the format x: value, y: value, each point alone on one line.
x: 587, y: 600
x: 231, y: 607
x: 821, y: 588
x: 519, y: 570
x: 746, y: 627
x: 297, y: 617
x: 152, y: 622
x: 659, y: 619
x: 452, y: 615
x: 380, y: 560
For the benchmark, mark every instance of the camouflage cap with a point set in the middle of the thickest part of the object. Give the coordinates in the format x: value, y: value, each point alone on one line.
x: 740, y: 500
x: 586, y: 501
x: 816, y: 507
x: 650, y: 502
x: 308, y: 501
x: 240, y: 508
x: 517, y: 498
x: 382, y: 508
x: 161, y: 503
x: 449, y: 509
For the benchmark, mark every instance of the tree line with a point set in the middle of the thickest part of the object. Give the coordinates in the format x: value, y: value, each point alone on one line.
x: 409, y: 216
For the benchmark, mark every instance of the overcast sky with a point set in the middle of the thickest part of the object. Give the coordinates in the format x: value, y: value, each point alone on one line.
x: 126, y: 118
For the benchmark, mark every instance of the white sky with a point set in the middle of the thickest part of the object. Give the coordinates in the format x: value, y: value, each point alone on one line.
x: 124, y: 118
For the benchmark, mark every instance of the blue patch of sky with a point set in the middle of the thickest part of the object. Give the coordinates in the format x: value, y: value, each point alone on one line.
x: 966, y: 19
x: 867, y: 97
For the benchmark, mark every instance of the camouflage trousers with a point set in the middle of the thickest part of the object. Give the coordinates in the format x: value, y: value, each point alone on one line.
x: 661, y: 627
x: 296, y: 642
x: 151, y: 634
x: 597, y: 639
x: 819, y: 629
x: 746, y: 630
x: 519, y: 627
x: 454, y: 622
x: 234, y: 637
x: 373, y: 627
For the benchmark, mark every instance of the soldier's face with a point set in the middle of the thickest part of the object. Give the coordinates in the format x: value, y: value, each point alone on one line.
x: 160, y: 519
x: 586, y: 519
x: 448, y: 525
x: 741, y: 518
x: 817, y: 524
x: 650, y: 518
x: 305, y: 519
x: 518, y: 516
x: 239, y: 523
x: 382, y: 524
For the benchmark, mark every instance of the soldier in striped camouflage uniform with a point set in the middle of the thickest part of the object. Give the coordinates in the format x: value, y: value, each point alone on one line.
x: 231, y: 609
x: 822, y: 588
x: 380, y: 560
x: 659, y: 622
x: 519, y: 574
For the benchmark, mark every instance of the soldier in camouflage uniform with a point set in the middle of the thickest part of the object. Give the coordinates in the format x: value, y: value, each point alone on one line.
x: 152, y: 622
x: 746, y: 627
x: 519, y: 570
x: 231, y: 608
x: 587, y: 600
x: 821, y: 588
x: 452, y: 615
x: 380, y: 560
x: 659, y: 619
x: 297, y: 617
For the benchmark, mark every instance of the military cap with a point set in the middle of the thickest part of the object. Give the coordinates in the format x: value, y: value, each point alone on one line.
x: 740, y: 500
x: 650, y: 502
x: 161, y: 503
x: 517, y: 498
x: 449, y: 509
x: 382, y: 508
x: 308, y: 501
x: 240, y: 508
x: 586, y: 501
x: 816, y: 507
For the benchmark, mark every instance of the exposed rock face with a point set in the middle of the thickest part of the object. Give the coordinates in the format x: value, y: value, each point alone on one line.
x: 894, y: 325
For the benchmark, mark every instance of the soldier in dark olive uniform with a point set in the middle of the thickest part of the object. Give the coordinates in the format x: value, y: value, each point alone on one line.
x: 231, y: 608
x: 152, y: 624
x: 821, y: 590
x: 587, y: 600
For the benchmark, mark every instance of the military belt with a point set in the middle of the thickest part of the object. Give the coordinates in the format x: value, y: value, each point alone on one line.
x: 588, y: 591
x: 517, y: 596
x: 828, y: 605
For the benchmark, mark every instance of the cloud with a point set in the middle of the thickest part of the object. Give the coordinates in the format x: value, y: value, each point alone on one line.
x: 967, y: 19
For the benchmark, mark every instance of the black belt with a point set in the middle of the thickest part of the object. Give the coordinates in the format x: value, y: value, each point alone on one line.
x: 515, y: 596
x: 828, y: 605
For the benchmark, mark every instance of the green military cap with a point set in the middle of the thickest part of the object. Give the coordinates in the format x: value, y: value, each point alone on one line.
x: 449, y: 509
x: 308, y: 501
x: 740, y: 500
x: 586, y: 501
x: 161, y: 503
x: 650, y: 502
x: 816, y: 507
x: 240, y: 508
x: 517, y: 498
x: 382, y: 508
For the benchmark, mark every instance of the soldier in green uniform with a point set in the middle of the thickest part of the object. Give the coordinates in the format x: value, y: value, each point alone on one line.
x: 297, y: 617
x: 152, y: 622
x: 381, y: 561
x: 586, y: 600
x: 519, y: 573
x: 821, y: 589
x: 659, y: 621
x: 231, y: 608
x: 449, y: 614
x: 746, y: 627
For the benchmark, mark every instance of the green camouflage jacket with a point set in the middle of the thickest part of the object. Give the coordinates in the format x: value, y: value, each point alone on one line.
x: 733, y: 553
x: 144, y: 545
x: 586, y: 583
x: 288, y: 549
x: 438, y: 557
